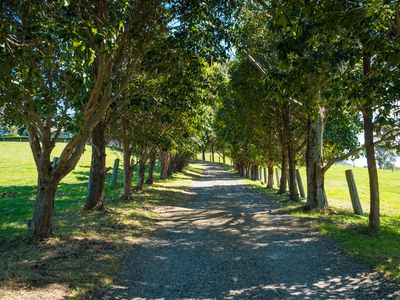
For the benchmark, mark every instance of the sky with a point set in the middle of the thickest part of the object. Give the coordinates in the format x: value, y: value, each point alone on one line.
x: 362, y: 161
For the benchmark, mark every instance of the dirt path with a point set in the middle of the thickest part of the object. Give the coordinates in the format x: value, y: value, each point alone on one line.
x: 226, y: 242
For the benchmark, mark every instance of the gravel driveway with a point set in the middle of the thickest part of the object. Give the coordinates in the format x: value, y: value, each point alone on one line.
x: 227, y: 243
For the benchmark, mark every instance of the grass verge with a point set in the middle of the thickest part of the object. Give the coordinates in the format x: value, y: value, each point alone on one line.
x: 86, y: 249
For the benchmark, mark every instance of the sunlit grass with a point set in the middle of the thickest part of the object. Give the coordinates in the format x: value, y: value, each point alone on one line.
x: 86, y: 249
x: 338, y: 193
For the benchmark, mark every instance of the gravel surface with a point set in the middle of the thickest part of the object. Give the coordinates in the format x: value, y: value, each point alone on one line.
x: 227, y: 242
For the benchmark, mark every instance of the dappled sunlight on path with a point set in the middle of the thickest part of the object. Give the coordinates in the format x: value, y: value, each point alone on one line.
x: 228, y: 242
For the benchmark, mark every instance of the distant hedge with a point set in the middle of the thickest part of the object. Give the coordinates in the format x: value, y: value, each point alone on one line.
x: 17, y: 138
x: 14, y: 138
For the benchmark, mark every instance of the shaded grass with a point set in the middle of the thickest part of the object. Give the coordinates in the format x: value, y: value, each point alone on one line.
x: 381, y: 250
x: 85, y: 251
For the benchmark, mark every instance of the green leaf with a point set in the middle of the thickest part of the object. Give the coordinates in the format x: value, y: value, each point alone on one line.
x: 92, y: 56
x: 282, y: 21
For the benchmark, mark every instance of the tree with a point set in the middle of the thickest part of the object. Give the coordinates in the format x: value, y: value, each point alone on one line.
x: 67, y: 67
x: 385, y: 158
x: 372, y: 29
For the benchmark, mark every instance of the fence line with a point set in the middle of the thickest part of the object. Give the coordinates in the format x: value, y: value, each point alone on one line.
x: 26, y: 139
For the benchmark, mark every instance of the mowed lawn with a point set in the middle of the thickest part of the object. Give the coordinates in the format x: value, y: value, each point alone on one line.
x: 338, y: 193
x: 89, y: 241
x: 18, y: 177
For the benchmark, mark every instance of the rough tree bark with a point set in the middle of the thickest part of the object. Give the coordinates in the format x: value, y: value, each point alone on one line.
x: 241, y: 169
x: 270, y: 181
x: 150, y: 177
x: 316, y: 198
x: 95, y: 196
x: 288, y: 139
x: 270, y: 167
x: 41, y: 224
x: 256, y: 173
x: 165, y: 161
x: 171, y: 166
x: 127, y: 154
x: 141, y: 173
x: 367, y: 112
x: 253, y: 173
x: 284, y: 173
x: 180, y: 162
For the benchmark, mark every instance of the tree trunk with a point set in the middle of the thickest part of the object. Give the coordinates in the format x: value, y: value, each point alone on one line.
x: 179, y: 163
x: 127, y: 153
x: 212, y: 154
x: 223, y: 157
x: 253, y: 175
x: 150, y: 178
x: 141, y: 173
x: 284, y: 173
x: 241, y: 169
x: 270, y: 182
x: 316, y: 197
x: 367, y: 112
x: 41, y: 225
x: 270, y: 167
x: 294, y: 195
x: 171, y: 165
x: 203, y: 154
x: 165, y: 161
x: 288, y: 141
x: 95, y: 196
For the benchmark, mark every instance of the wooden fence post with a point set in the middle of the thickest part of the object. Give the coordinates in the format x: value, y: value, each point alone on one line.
x: 265, y: 176
x: 355, y: 200
x: 114, y: 177
x: 300, y: 183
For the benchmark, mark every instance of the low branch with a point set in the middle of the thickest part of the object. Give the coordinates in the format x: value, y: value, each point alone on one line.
x: 332, y: 161
x: 256, y: 63
x: 301, y: 146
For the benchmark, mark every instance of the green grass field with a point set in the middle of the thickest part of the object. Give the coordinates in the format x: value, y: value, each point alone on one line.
x: 89, y: 241
x: 338, y: 193
x: 18, y: 186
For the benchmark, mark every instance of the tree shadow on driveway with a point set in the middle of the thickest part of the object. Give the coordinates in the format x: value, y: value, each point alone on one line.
x: 227, y: 242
